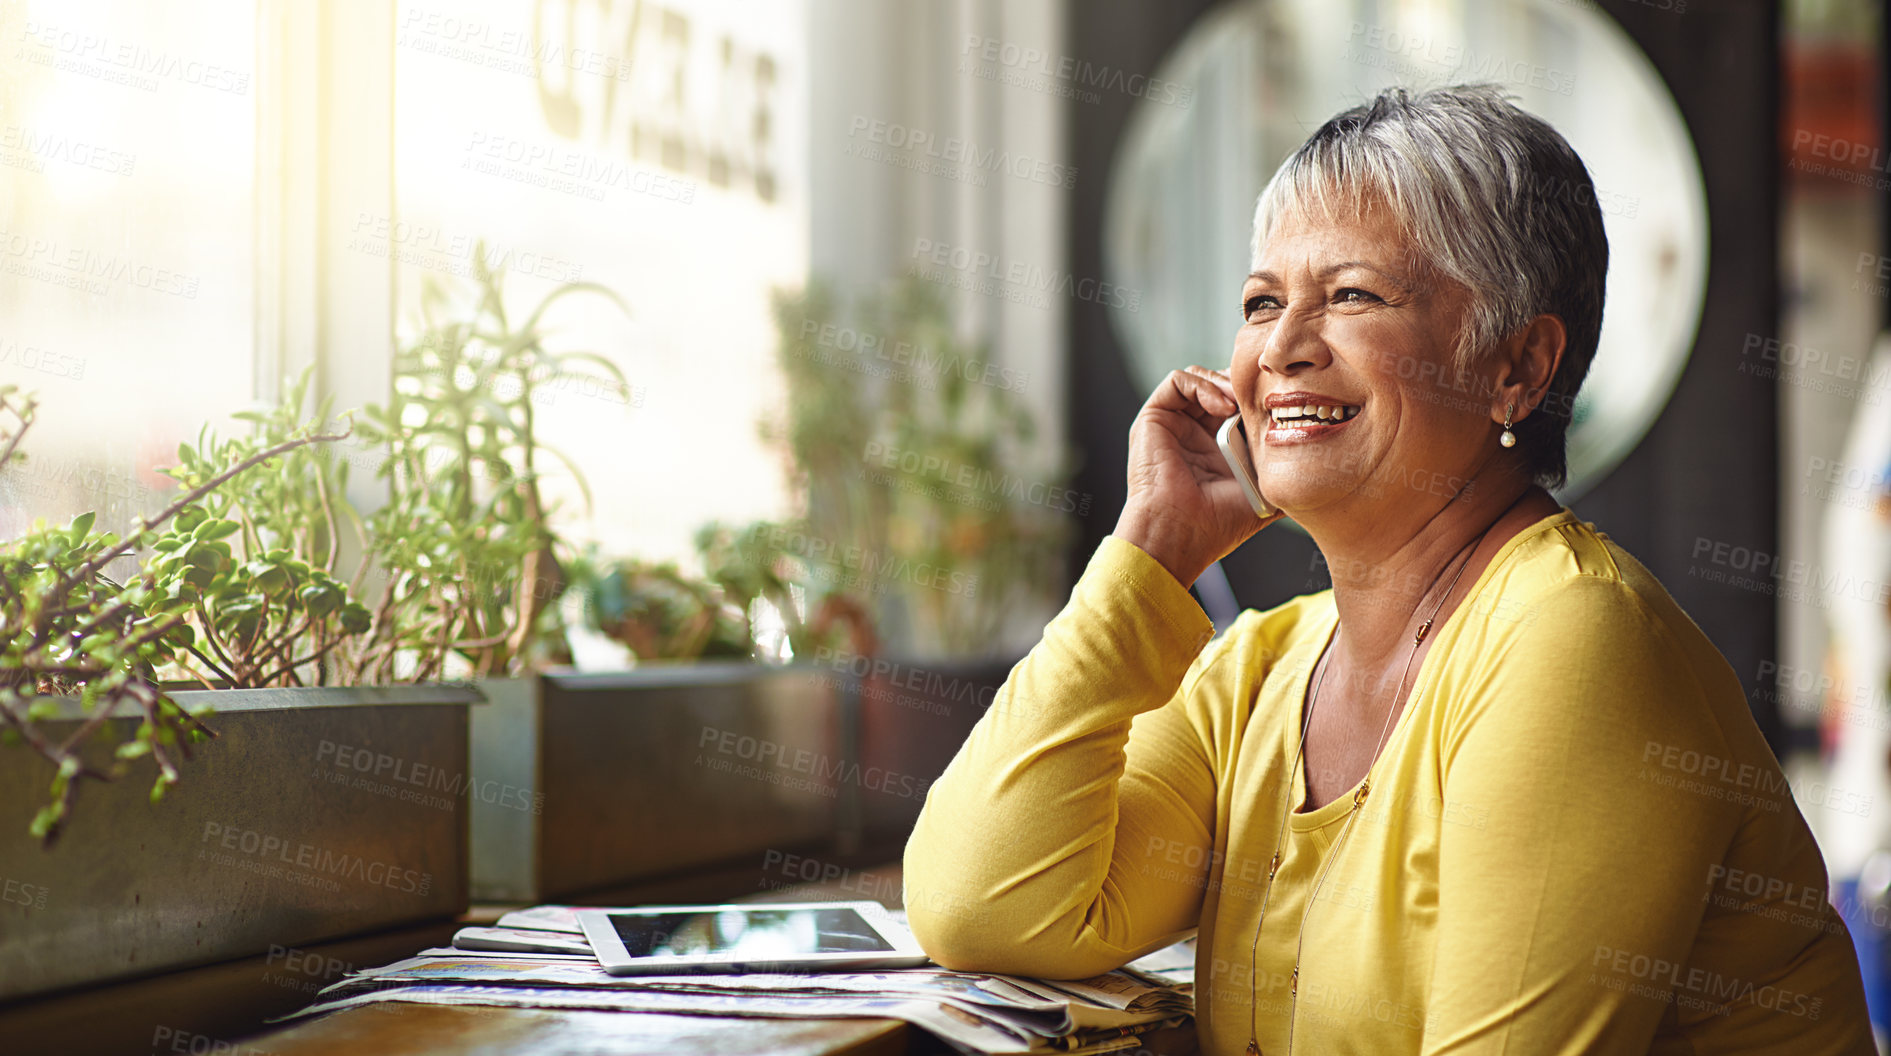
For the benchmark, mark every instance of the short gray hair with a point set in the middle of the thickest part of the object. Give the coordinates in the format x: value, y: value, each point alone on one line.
x: 1492, y: 198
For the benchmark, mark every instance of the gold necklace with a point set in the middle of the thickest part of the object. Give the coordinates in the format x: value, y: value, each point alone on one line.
x: 1359, y: 801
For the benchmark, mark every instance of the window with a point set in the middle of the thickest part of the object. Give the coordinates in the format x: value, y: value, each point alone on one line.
x: 652, y: 148
x: 127, y: 148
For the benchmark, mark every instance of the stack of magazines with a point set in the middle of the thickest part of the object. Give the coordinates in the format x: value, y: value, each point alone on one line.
x: 538, y: 958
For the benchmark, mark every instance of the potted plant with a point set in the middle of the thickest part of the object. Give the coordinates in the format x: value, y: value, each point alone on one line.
x: 929, y: 566
x: 250, y: 834
x: 572, y: 776
x: 658, y: 613
x: 932, y: 513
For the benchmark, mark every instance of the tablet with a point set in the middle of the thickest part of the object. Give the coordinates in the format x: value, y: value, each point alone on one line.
x: 757, y: 937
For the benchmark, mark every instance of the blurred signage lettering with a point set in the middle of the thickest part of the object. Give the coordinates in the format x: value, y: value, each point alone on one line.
x: 664, y: 84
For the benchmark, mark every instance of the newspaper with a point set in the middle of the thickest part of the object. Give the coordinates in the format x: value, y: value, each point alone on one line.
x: 538, y: 958
x: 970, y: 1031
x: 1105, y: 1001
x: 1171, y: 966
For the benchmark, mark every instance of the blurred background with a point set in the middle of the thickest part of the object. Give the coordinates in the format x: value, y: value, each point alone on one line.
x: 871, y: 293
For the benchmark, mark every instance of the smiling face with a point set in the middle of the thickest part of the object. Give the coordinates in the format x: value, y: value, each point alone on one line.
x: 1344, y: 367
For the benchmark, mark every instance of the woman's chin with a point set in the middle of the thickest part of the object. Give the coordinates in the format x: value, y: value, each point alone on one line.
x: 1303, y: 500
x: 1293, y: 496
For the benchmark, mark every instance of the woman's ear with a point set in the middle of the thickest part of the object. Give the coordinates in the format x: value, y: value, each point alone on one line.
x: 1526, y: 364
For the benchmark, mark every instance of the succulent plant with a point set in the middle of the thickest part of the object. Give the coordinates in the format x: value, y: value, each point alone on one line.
x: 468, y: 561
x: 250, y: 568
x: 68, y: 629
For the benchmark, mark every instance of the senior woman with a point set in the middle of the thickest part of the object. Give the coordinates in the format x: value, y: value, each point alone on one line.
x: 1494, y: 792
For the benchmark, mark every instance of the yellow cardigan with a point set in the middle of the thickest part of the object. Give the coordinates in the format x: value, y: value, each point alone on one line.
x: 1576, y: 838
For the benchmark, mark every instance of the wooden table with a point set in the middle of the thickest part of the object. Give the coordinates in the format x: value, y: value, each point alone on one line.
x: 220, y: 1008
x: 394, y: 1029
x: 435, y: 1030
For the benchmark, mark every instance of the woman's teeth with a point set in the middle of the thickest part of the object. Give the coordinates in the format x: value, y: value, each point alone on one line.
x: 1312, y: 412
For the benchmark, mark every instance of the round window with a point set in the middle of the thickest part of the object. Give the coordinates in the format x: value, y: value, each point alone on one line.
x: 1264, y: 74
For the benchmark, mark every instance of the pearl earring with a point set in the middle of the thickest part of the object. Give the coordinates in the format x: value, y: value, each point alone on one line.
x: 1508, y: 438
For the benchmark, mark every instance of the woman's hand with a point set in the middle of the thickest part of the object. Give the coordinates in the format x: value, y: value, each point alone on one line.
x: 1185, y: 509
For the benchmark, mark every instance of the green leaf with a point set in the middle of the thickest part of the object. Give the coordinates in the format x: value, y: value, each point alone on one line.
x: 43, y: 822
x: 584, y: 487
x: 215, y: 530
x: 82, y: 526
x: 608, y: 367
x: 574, y: 287
x: 202, y: 555
x: 321, y: 601
x: 270, y: 579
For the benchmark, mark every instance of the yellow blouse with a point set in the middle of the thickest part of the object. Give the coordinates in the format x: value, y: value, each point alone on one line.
x: 1576, y: 839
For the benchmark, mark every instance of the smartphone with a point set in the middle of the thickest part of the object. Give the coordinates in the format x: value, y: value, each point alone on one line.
x: 1233, y: 441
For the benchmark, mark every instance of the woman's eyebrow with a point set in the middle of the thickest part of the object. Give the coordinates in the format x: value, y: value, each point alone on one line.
x: 1331, y: 269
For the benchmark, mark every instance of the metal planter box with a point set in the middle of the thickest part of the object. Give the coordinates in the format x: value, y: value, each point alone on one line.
x: 317, y: 813
x: 913, y: 716
x: 584, y: 782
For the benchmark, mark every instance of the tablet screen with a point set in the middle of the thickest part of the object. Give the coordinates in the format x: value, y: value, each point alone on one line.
x: 761, y: 933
